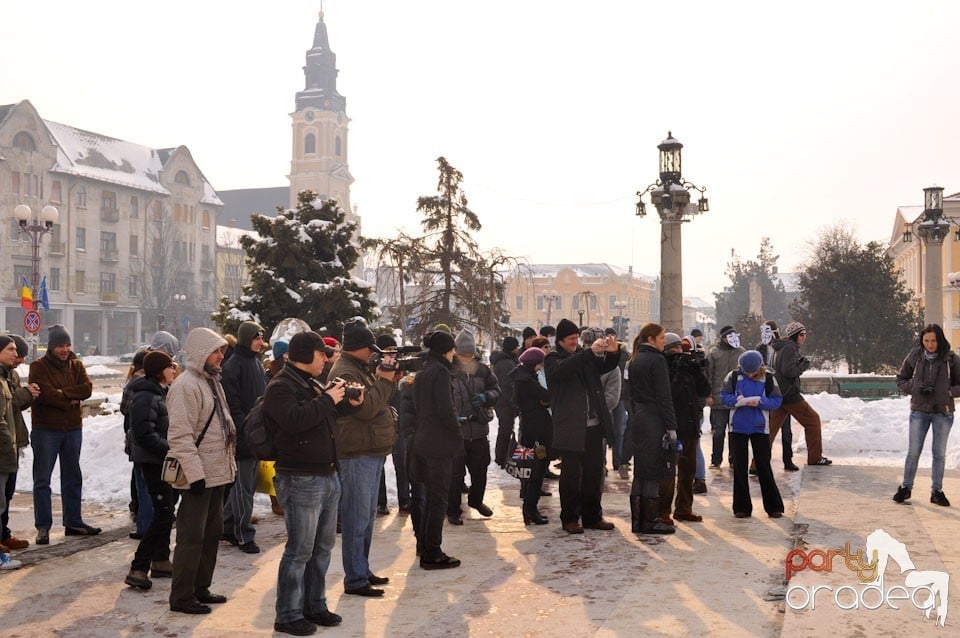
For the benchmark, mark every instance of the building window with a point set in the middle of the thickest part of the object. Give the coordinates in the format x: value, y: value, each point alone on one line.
x: 231, y: 271
x: 54, y: 280
x: 613, y: 302
x: 337, y: 149
x: 81, y: 197
x: 24, y: 142
x: 558, y: 302
x: 15, y: 183
x: 80, y: 281
x: 108, y: 242
x: 206, y: 219
x: 19, y: 273
x: 81, y: 238
x: 519, y: 302
x: 55, y: 194
x: 134, y: 207
x: 133, y: 286
x: 540, y: 304
x: 107, y: 282
x: 182, y: 178
x: 134, y: 246
x: 310, y: 143
x: 593, y: 302
x: 108, y: 200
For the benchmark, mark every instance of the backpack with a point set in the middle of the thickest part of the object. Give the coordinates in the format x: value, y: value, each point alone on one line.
x: 258, y: 433
x: 767, y: 383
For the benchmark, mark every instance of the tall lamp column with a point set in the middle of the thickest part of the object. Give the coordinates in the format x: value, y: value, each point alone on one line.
x: 35, y: 229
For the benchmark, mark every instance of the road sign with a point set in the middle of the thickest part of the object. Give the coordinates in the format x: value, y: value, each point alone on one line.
x: 32, y: 321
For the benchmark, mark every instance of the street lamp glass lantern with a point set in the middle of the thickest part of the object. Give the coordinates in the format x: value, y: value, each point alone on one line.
x: 23, y: 214
x: 703, y: 205
x: 933, y: 199
x: 670, y: 150
x: 49, y: 216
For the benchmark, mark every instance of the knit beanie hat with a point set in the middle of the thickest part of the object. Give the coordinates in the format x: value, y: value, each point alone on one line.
x: 303, y: 345
x: 279, y: 349
x: 565, y: 328
x: 155, y: 362
x: 357, y: 336
x: 443, y: 328
x: 58, y: 336
x: 22, y: 348
x: 331, y: 342
x: 532, y: 357
x: 670, y: 340
x: 724, y: 331
x: 440, y: 342
x: 750, y: 361
x: 510, y: 344
x: 247, y: 332
x: 465, y: 342
x: 547, y: 331
x: 794, y: 328
x: 696, y: 332
x: 5, y: 340
x: 528, y: 332
x: 385, y: 342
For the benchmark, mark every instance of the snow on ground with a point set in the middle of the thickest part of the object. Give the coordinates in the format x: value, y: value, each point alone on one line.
x: 855, y: 432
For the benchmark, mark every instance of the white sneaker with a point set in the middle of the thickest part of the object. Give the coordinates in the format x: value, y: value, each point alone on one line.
x: 9, y: 563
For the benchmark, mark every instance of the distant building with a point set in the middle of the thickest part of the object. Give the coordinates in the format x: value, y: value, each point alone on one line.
x: 133, y: 248
x: 232, y: 274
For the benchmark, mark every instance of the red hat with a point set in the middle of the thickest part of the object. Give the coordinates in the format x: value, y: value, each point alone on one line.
x: 330, y: 342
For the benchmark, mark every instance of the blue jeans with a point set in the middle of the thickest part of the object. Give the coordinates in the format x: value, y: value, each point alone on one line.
x: 701, y: 472
x: 48, y: 446
x: 358, y: 506
x: 619, y: 428
x: 310, y: 514
x: 144, y: 504
x: 920, y: 422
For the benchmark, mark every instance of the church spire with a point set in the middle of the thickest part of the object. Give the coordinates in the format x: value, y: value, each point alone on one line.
x: 320, y: 72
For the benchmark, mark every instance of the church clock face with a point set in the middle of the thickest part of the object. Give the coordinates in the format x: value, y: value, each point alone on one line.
x: 309, y: 116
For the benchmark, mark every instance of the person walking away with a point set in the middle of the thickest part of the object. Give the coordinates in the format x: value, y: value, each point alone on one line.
x: 751, y: 392
x: 58, y: 434
x: 475, y: 392
x: 302, y: 414
x: 22, y: 397
x: 149, y: 425
x: 580, y: 420
x: 653, y: 419
x: 503, y: 362
x: 930, y: 374
x: 244, y: 381
x: 788, y: 365
x: 202, y: 437
x: 536, y: 427
x: 722, y: 359
x: 438, y: 439
x: 367, y: 432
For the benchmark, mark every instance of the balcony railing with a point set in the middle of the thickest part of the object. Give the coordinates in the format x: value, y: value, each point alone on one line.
x: 109, y: 214
x: 109, y: 297
x: 109, y: 256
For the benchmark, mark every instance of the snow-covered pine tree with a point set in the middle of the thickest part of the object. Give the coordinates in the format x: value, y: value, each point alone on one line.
x: 300, y: 267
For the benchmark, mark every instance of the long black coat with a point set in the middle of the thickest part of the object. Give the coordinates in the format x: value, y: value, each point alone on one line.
x: 533, y: 401
x: 148, y: 421
x: 438, y: 433
x: 652, y: 411
x: 689, y: 387
x: 244, y: 381
x: 573, y: 379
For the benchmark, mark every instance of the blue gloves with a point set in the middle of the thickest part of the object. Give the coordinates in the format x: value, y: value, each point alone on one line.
x: 478, y: 400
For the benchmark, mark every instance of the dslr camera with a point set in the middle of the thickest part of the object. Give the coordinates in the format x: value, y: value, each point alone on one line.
x: 406, y: 360
x: 927, y: 389
x: 350, y: 390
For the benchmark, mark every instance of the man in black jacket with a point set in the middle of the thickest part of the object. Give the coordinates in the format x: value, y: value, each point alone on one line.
x: 503, y: 362
x: 243, y: 381
x: 580, y: 418
x: 306, y: 434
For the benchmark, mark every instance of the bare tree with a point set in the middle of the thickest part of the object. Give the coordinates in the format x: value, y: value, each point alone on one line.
x: 158, y: 277
x: 400, y: 255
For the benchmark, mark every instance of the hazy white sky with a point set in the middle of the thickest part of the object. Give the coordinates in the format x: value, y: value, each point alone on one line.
x: 796, y: 117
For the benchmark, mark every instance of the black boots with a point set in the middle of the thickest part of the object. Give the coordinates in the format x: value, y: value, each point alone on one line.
x: 636, y: 514
x: 531, y: 497
x: 650, y: 523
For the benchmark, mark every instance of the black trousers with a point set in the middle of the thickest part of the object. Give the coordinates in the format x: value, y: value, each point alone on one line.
x: 772, y: 501
x: 581, y: 480
x: 476, y: 459
x: 436, y: 473
x: 5, y: 515
x: 155, y: 544
x: 506, y: 419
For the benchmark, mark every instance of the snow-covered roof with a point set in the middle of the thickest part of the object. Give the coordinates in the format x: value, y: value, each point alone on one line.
x: 696, y: 302
x: 229, y: 237
x: 790, y: 280
x: 580, y: 270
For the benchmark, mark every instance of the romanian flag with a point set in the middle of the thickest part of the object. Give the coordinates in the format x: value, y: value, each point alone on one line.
x: 26, y: 297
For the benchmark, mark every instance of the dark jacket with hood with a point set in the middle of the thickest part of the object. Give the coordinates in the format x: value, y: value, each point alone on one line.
x: 63, y: 386
x: 941, y: 373
x: 438, y: 434
x: 149, y: 421
x: 688, y: 387
x: 469, y: 380
x: 243, y: 381
x: 305, y: 422
x: 576, y: 395
x: 533, y: 401
x: 502, y: 364
x: 788, y: 365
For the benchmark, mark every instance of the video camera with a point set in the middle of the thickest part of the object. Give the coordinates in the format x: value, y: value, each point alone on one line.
x: 695, y: 359
x: 407, y: 360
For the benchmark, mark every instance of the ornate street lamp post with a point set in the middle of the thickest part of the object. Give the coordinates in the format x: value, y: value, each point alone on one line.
x: 178, y: 300
x: 35, y: 229
x: 550, y: 298
x: 933, y: 229
x: 671, y: 196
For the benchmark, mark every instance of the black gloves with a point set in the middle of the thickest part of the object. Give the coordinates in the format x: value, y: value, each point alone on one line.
x: 197, y: 487
x: 803, y: 363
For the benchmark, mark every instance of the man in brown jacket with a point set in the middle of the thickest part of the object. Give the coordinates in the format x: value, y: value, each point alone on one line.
x: 57, y: 434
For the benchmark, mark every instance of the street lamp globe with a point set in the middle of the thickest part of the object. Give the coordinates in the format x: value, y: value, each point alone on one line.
x: 670, y: 149
x: 49, y: 216
x: 933, y: 201
x: 22, y: 213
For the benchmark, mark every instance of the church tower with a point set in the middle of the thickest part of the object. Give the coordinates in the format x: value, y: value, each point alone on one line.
x: 320, y: 126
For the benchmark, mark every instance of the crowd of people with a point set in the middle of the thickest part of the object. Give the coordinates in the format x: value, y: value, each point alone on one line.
x: 335, y: 409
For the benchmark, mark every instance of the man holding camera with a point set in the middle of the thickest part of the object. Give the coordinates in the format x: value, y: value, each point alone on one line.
x: 367, y: 434
x: 788, y: 364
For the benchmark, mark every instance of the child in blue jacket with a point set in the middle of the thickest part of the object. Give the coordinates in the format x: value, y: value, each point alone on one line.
x: 751, y: 393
